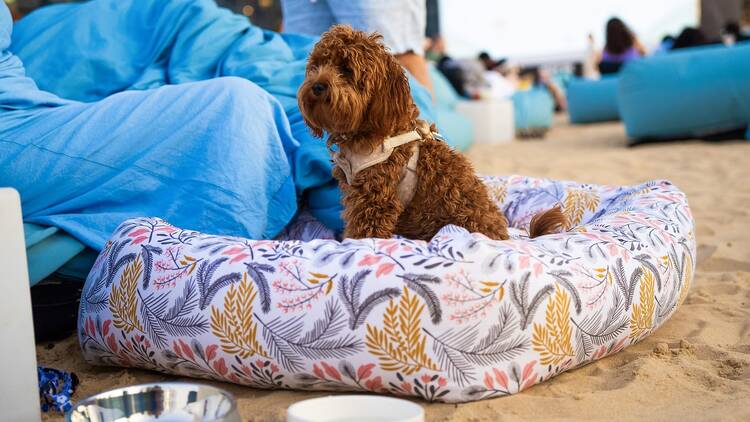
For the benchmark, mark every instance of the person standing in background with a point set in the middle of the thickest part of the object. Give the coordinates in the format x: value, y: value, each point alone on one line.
x: 591, y: 59
x: 401, y: 22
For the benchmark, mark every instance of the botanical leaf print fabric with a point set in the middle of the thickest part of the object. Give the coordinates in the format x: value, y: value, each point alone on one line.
x: 459, y: 318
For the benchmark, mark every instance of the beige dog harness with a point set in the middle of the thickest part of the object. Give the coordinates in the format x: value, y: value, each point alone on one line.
x: 352, y: 163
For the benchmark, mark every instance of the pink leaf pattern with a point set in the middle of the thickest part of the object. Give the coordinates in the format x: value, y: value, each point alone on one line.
x: 385, y: 269
x: 501, y: 378
x: 365, y: 371
x: 369, y: 260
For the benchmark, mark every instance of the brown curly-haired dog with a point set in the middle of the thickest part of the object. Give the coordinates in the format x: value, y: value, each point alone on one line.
x: 358, y: 93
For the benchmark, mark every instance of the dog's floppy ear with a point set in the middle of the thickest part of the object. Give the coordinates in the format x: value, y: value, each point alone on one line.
x: 390, y: 103
x: 314, y: 129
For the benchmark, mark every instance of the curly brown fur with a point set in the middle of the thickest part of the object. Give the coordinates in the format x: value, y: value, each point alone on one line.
x: 547, y: 222
x: 358, y: 93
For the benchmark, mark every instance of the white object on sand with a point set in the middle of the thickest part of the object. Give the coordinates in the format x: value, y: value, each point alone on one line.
x: 493, y: 120
x: 355, y: 409
x: 19, y: 392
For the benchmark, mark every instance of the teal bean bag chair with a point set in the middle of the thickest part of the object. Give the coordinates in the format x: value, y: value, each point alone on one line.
x: 49, y: 250
x: 591, y: 101
x: 691, y: 93
x: 533, y: 109
x: 457, y: 129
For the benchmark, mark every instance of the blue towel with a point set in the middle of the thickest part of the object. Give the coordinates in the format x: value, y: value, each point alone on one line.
x: 90, y: 51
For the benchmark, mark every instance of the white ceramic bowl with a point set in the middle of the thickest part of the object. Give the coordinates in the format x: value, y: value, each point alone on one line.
x: 355, y: 409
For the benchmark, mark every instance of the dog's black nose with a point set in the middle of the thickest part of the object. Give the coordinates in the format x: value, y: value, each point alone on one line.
x: 318, y: 89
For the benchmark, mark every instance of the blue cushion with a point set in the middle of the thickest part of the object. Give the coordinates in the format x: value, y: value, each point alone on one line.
x: 593, y: 100
x: 457, y: 130
x: 48, y: 249
x: 688, y: 93
x: 533, y: 108
x: 445, y: 94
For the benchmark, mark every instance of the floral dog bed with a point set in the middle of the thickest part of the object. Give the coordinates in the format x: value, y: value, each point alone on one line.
x: 457, y: 319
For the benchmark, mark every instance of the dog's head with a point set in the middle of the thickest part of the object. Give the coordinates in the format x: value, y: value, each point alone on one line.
x: 354, y: 86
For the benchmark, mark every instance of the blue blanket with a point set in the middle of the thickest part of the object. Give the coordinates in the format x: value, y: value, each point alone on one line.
x: 131, y: 117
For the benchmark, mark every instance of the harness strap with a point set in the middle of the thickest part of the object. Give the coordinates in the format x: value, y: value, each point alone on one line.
x: 351, y: 163
x: 407, y: 186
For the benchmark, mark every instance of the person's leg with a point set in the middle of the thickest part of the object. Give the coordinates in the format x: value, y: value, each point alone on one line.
x: 417, y: 66
x: 208, y: 156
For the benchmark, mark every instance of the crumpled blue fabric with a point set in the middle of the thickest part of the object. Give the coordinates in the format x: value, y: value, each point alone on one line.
x: 56, y: 389
x: 89, y: 51
x: 215, y: 153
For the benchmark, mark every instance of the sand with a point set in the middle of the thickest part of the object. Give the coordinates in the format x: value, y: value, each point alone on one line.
x: 695, y: 367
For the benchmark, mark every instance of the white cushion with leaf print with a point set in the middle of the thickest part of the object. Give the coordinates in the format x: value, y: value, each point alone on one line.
x: 456, y: 319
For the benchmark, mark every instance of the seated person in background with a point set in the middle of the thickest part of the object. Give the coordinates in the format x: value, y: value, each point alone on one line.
x: 500, y: 78
x: 401, y: 22
x: 732, y: 34
x: 488, y: 62
x: 467, y: 77
x: 689, y: 37
x: 474, y: 78
x: 536, y: 76
x: 450, y: 68
x: 665, y: 45
x: 621, y: 47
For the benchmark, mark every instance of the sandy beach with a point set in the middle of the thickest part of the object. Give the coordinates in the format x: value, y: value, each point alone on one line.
x: 695, y: 367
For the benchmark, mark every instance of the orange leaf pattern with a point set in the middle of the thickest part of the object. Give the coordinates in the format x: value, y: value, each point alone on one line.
x: 577, y: 202
x: 642, y: 317
x: 400, y: 345
x: 553, y: 339
x: 123, y: 302
x: 234, y: 325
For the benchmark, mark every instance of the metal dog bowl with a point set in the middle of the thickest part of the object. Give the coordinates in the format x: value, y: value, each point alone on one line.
x: 164, y: 402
